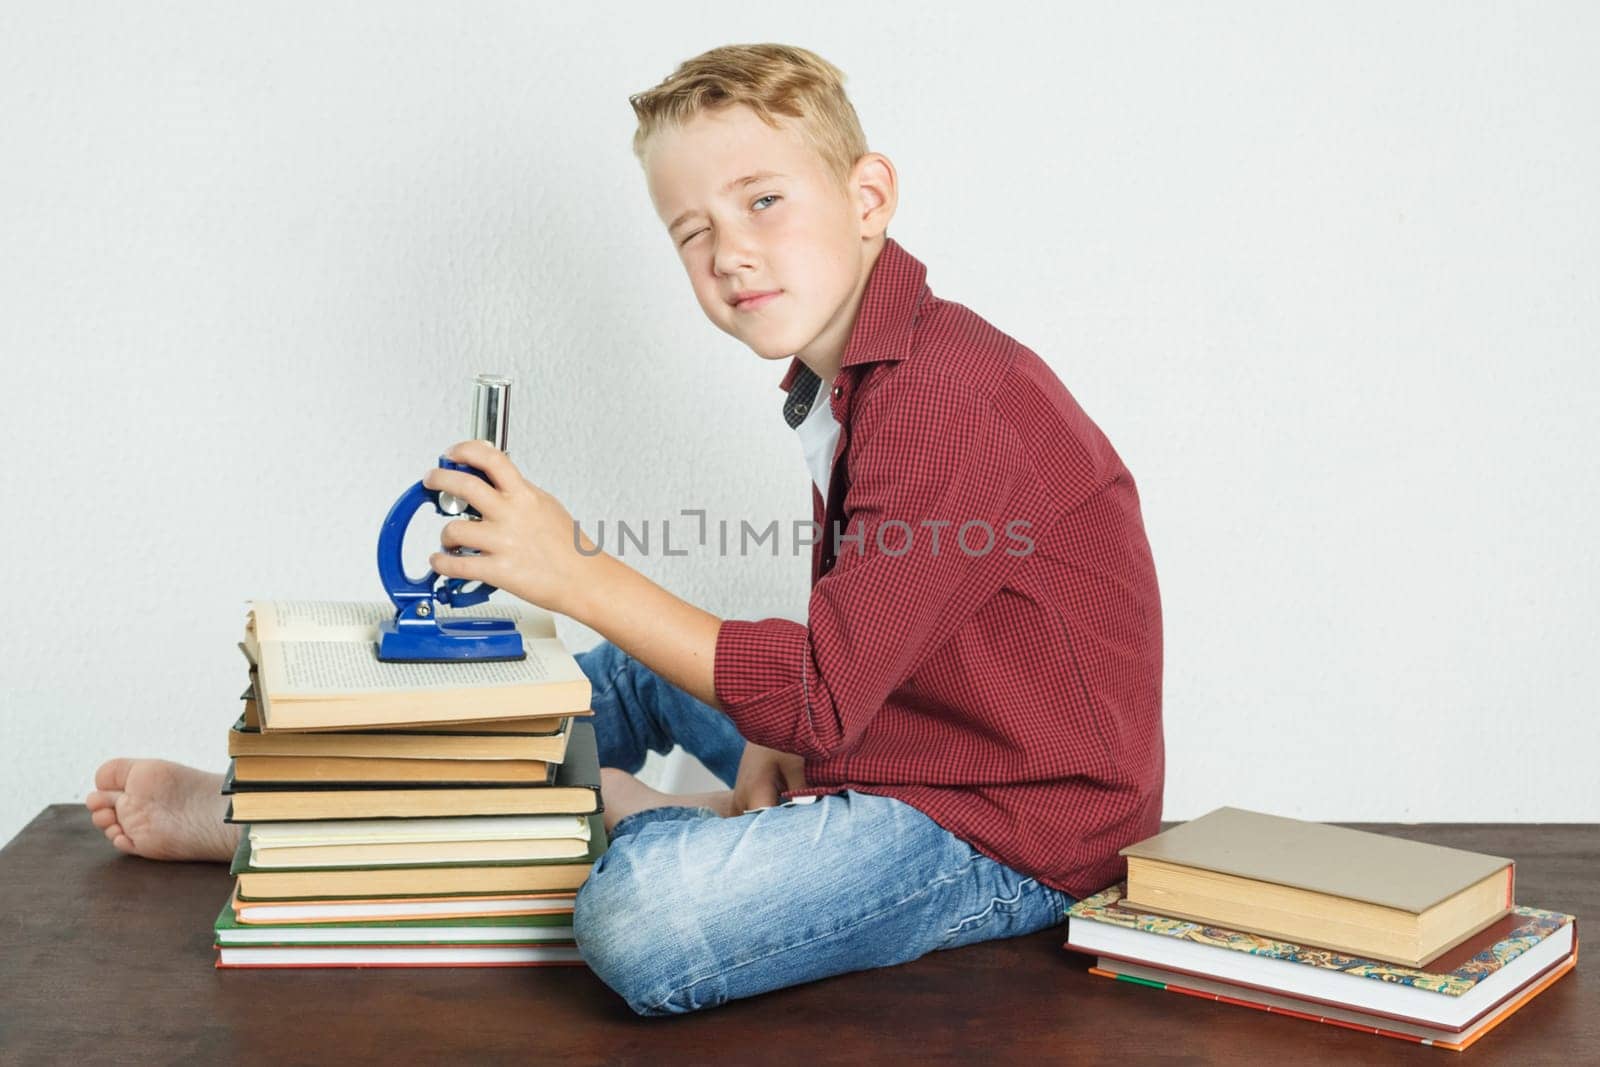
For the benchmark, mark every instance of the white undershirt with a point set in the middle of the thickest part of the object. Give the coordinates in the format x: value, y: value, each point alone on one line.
x: 819, y: 436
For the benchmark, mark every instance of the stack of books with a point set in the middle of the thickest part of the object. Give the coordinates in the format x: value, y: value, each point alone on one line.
x: 1375, y: 933
x: 406, y: 814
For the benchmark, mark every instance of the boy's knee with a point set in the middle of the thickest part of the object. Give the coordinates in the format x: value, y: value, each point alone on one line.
x: 625, y: 931
x: 600, y: 662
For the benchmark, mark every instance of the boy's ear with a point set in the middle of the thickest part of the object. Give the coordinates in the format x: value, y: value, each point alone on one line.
x: 875, y: 188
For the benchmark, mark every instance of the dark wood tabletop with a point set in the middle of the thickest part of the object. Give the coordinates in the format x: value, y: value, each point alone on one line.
x: 108, y: 958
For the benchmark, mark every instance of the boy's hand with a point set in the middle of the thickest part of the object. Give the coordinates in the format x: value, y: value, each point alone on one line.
x: 525, y: 538
x: 763, y: 774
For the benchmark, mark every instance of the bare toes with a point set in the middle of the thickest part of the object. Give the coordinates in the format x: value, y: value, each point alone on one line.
x: 124, y: 843
x: 104, y: 817
x: 101, y: 799
x: 113, y: 774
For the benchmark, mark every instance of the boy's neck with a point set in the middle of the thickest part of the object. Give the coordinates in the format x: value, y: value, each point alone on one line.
x: 825, y: 354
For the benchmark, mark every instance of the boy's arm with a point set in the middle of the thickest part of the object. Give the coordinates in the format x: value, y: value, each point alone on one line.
x: 928, y: 458
x: 672, y: 637
x: 527, y: 544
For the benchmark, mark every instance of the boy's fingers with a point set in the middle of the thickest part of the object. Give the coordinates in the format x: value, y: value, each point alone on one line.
x: 487, y: 458
x: 468, y: 487
x: 761, y: 795
x: 447, y: 566
x: 461, y: 533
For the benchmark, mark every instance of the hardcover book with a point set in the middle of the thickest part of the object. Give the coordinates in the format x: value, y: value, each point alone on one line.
x: 575, y: 790
x: 318, y: 669
x: 1472, y: 981
x: 1317, y: 884
x: 433, y: 880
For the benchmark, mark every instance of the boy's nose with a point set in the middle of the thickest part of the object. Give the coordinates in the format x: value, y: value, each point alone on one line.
x: 733, y: 253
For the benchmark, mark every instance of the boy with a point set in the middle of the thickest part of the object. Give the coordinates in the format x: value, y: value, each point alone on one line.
x: 972, y: 711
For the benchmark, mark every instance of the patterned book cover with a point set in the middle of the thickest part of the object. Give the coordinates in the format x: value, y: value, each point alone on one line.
x: 1515, y: 934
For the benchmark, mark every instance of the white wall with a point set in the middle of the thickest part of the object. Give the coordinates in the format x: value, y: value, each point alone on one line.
x: 1326, y: 275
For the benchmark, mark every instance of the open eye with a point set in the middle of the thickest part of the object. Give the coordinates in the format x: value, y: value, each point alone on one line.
x: 769, y: 196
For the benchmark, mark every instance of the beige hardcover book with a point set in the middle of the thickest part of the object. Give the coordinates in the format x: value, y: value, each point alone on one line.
x: 1312, y: 883
x: 489, y: 878
x: 318, y: 669
x: 286, y: 805
x: 419, y: 853
x: 411, y: 881
x: 354, y: 769
x: 575, y: 791
x: 369, y: 744
x: 544, y: 724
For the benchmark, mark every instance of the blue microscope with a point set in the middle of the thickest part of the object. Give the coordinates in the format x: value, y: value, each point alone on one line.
x: 416, y: 634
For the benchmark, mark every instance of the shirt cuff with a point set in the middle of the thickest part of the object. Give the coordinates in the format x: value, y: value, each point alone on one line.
x: 758, y: 673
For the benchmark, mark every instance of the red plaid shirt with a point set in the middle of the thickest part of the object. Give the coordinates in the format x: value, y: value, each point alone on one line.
x: 1013, y: 695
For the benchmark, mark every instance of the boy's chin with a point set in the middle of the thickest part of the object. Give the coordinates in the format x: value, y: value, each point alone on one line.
x: 773, y: 350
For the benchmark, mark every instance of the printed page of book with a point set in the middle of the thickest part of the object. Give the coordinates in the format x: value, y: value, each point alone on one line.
x: 309, y: 669
x: 355, y: 621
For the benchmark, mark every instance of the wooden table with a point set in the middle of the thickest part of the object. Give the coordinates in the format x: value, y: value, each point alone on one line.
x: 105, y: 958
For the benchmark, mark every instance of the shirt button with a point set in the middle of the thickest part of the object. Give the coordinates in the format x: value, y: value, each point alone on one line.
x: 838, y: 390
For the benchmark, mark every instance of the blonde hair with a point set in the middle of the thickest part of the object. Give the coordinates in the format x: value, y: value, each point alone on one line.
x: 772, y: 80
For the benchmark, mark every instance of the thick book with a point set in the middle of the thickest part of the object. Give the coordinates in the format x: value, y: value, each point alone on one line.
x: 419, y: 853
x: 1377, y: 1025
x: 273, y: 912
x: 1312, y: 883
x: 417, y: 842
x: 539, y: 726
x: 318, y: 669
x: 550, y: 746
x: 479, y: 879
x: 575, y: 790
x: 228, y: 931
x: 1470, y: 984
x: 320, y: 769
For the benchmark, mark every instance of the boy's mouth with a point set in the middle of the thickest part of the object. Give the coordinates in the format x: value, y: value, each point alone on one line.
x: 748, y: 301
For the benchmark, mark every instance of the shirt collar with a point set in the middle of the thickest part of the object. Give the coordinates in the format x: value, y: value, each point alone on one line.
x: 882, y: 332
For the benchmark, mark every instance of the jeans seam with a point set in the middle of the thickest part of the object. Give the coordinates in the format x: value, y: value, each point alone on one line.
x: 1022, y: 888
x: 611, y: 682
x: 725, y: 971
x: 609, y: 691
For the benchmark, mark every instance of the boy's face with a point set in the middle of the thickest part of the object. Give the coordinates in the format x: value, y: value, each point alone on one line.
x: 796, y: 233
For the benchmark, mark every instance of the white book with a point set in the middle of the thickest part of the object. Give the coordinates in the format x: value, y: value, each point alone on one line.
x: 385, y: 935
x: 398, y: 956
x: 389, y: 831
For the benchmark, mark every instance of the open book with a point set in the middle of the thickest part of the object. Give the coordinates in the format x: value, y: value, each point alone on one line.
x: 318, y: 669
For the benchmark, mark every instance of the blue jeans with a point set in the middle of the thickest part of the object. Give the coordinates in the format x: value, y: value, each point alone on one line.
x: 687, y: 910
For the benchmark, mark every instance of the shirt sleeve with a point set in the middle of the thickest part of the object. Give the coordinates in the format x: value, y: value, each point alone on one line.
x: 939, y: 515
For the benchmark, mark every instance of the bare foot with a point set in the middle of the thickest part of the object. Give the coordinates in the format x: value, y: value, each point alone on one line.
x: 162, y: 810
x: 624, y: 794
